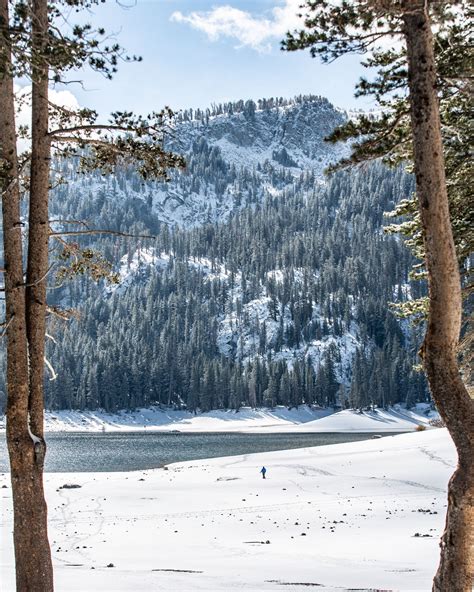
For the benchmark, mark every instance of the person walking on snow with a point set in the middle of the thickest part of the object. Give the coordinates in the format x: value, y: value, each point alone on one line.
x: 263, y: 470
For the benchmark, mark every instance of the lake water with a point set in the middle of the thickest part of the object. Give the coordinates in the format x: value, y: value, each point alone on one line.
x: 109, y: 452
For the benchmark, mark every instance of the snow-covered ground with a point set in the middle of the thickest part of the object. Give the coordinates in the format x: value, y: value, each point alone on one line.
x: 279, y: 419
x: 396, y: 419
x: 365, y: 516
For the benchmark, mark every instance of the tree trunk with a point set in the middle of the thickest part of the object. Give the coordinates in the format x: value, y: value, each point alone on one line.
x: 17, y: 362
x: 26, y: 442
x: 456, y: 569
x: 33, y: 562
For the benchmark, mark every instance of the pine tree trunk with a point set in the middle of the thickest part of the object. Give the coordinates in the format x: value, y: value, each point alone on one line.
x: 456, y: 569
x: 17, y: 362
x: 32, y: 554
x: 38, y: 236
x: 32, y: 551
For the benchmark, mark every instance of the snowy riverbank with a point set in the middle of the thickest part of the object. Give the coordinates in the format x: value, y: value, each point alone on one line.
x: 365, y: 515
x: 279, y: 419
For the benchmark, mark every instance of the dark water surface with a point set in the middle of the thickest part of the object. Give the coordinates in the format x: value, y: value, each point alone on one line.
x: 108, y: 452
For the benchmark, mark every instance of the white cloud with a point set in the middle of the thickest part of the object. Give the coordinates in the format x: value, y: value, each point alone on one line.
x: 254, y: 31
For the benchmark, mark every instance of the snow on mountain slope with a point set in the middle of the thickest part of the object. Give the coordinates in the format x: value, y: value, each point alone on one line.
x: 291, y: 135
x: 244, y: 330
x: 239, y: 335
x: 225, y: 154
x: 137, y: 265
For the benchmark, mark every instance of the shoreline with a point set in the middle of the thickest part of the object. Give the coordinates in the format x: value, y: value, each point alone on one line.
x: 304, y: 419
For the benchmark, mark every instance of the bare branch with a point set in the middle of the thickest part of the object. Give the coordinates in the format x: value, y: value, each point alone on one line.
x: 63, y: 314
x: 6, y: 325
x: 51, y: 369
x: 39, y: 280
x: 51, y: 337
x: 89, y: 232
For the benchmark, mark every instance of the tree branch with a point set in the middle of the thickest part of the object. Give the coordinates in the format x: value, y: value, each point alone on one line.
x: 90, y: 127
x: 88, y: 232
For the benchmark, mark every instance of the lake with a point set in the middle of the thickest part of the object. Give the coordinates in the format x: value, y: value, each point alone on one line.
x: 130, y: 451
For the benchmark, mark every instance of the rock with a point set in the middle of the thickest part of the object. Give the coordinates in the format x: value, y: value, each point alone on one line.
x: 70, y: 486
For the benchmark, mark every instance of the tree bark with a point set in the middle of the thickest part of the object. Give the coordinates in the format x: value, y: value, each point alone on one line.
x: 33, y: 563
x: 456, y: 569
x: 25, y: 411
x: 17, y: 362
x: 38, y: 220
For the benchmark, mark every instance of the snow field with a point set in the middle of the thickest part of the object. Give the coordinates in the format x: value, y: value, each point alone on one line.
x: 365, y: 515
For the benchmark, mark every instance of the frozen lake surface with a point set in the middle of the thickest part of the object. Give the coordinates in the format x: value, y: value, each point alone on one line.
x: 117, y: 452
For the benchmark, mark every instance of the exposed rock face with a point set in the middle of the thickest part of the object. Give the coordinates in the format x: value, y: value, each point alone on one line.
x: 235, y: 157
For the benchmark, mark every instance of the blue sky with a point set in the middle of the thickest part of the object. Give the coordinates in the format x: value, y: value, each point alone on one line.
x: 196, y: 52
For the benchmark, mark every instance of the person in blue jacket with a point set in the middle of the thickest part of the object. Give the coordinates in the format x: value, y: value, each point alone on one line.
x: 263, y: 470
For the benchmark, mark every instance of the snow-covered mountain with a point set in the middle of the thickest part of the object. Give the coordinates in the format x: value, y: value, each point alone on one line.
x: 266, y: 282
x: 282, y: 133
x: 236, y: 155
